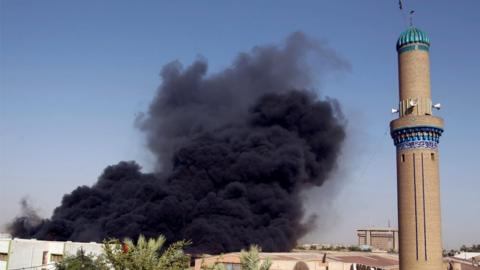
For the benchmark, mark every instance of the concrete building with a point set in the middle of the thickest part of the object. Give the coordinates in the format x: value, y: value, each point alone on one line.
x: 416, y: 134
x: 329, y: 260
x: 35, y: 254
x: 379, y: 238
x: 468, y: 255
x: 454, y: 263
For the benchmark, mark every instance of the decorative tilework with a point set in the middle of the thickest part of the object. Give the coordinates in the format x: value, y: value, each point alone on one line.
x: 412, y: 48
x: 412, y: 35
x: 417, y: 137
x: 417, y: 144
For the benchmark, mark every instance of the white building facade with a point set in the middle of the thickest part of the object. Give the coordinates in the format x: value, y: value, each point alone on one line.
x: 34, y: 254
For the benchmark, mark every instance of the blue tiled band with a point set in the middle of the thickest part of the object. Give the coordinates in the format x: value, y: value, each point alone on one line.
x: 417, y: 137
x: 412, y: 48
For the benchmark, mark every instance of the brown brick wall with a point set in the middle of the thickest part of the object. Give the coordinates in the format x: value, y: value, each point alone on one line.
x: 419, y: 214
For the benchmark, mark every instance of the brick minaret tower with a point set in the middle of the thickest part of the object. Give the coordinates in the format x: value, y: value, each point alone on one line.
x: 416, y: 136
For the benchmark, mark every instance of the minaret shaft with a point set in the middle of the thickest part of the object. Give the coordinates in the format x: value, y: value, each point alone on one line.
x: 414, y: 83
x: 416, y: 135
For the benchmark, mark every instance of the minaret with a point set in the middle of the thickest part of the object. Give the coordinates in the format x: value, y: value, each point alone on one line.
x: 416, y: 136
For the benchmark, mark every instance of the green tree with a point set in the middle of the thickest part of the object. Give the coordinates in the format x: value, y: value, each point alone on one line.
x: 473, y: 248
x: 146, y: 254
x: 82, y: 261
x: 250, y: 260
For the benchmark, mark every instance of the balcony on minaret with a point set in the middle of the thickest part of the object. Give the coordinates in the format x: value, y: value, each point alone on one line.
x: 417, y: 106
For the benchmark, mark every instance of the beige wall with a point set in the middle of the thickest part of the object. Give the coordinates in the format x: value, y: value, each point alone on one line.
x: 419, y: 209
x: 383, y: 239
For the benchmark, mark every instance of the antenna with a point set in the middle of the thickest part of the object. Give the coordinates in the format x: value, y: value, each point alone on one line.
x: 408, y: 18
x: 411, y: 17
x: 401, y: 6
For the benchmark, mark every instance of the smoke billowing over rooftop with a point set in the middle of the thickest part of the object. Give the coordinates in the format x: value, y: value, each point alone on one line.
x: 233, y: 149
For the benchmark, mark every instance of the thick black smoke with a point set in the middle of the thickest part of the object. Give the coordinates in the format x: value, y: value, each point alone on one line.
x: 234, y: 152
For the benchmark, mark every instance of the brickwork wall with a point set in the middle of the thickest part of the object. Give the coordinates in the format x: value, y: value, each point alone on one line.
x: 420, y: 245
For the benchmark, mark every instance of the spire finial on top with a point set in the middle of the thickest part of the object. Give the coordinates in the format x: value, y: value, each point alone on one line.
x: 411, y: 17
x: 408, y: 18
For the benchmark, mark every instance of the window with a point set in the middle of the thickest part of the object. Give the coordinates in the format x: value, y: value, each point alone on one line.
x: 233, y: 266
x: 3, y: 257
x: 403, y: 158
x: 44, y: 257
x: 56, y: 257
x: 432, y: 156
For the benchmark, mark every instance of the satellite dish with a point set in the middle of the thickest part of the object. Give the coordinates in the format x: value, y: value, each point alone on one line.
x: 437, y: 106
x: 394, y: 110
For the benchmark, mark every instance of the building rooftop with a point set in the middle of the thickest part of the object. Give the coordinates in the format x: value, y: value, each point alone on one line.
x: 383, y: 260
x: 284, y: 256
x: 378, y: 229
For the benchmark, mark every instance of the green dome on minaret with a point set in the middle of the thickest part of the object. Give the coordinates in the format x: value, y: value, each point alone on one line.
x: 413, y: 35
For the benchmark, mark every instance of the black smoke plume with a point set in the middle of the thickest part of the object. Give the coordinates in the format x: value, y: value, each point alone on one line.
x: 234, y: 150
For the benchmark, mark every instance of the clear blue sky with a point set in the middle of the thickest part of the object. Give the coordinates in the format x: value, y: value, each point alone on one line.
x: 74, y: 75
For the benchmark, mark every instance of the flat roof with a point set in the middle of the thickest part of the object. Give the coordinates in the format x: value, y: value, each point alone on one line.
x: 283, y: 256
x: 370, y: 259
x: 378, y: 229
x: 384, y: 260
